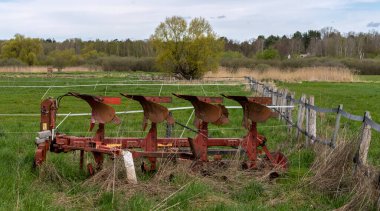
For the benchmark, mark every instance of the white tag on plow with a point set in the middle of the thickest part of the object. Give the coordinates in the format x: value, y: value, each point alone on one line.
x: 130, y: 167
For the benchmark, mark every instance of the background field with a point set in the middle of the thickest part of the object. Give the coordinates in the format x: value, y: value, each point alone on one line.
x: 21, y: 187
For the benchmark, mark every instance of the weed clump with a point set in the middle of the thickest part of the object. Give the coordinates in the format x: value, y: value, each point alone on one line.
x: 336, y: 174
x: 49, y: 173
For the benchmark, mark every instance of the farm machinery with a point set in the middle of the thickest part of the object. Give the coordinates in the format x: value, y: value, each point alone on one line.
x: 200, y: 149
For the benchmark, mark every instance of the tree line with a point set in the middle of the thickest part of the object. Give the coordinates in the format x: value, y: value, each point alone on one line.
x: 327, y: 42
x: 177, y: 53
x: 22, y: 50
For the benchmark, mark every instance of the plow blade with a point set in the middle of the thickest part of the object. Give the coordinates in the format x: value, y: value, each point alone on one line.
x: 153, y: 111
x: 216, y: 114
x: 101, y: 112
x: 254, y: 108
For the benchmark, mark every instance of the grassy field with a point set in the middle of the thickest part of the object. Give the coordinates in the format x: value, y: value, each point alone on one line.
x: 369, y: 78
x: 60, y: 185
x: 356, y: 99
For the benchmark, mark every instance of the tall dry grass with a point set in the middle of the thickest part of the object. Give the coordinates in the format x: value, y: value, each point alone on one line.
x: 335, y: 174
x: 301, y: 74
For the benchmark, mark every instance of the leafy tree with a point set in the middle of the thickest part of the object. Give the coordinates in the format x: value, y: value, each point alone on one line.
x: 268, y: 54
x: 270, y: 41
x: 187, y: 50
x: 89, y: 53
x: 11, y: 62
x: 22, y: 48
x: 297, y: 35
x: 61, y: 59
x: 308, y: 36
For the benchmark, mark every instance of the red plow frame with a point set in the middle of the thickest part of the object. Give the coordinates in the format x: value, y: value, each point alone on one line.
x: 207, y: 110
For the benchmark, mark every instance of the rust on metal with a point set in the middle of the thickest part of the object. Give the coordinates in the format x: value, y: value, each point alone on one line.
x: 252, y: 109
x: 156, y: 113
x: 153, y: 111
x: 258, y: 113
x: 101, y: 112
x: 253, y: 141
x: 205, y: 111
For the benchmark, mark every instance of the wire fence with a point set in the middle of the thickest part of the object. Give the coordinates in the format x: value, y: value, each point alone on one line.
x: 306, y: 123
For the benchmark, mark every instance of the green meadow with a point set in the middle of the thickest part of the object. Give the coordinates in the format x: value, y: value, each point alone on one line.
x: 64, y: 186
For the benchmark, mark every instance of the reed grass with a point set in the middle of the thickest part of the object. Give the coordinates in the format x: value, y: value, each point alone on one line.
x: 331, y: 74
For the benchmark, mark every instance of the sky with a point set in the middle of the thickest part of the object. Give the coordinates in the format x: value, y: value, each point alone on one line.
x: 137, y: 19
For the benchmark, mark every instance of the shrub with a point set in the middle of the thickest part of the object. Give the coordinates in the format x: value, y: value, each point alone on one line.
x: 235, y: 63
x: 365, y: 67
x: 268, y: 54
x: 12, y: 62
x: 232, y: 54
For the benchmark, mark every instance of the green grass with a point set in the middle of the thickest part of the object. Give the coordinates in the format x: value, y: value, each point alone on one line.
x: 370, y: 78
x: 356, y: 98
x: 22, y: 187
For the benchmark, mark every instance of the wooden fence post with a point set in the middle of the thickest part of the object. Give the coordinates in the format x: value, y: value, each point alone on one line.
x: 289, y: 113
x: 300, y: 116
x: 278, y: 96
x: 306, y: 123
x: 252, y: 84
x: 312, y: 120
x: 284, y: 103
x: 255, y: 86
x: 279, y: 100
x: 337, y: 125
x: 259, y: 89
x: 365, y: 140
x: 267, y: 93
x: 274, y: 96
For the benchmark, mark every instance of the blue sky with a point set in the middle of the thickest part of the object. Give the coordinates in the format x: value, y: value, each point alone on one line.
x: 137, y: 19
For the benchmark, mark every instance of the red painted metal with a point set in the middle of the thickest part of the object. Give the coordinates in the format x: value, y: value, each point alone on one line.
x: 205, y: 113
x: 153, y: 111
x: 216, y: 114
x: 111, y: 100
x: 48, y: 117
x: 253, y: 141
x: 156, y: 113
x: 207, y: 110
x: 101, y: 112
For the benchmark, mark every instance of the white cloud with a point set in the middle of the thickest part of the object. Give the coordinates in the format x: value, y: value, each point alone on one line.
x: 373, y: 24
x: 120, y: 19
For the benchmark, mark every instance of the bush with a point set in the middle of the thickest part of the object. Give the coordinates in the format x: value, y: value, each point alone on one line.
x: 232, y: 54
x: 12, y: 62
x: 113, y: 63
x: 235, y: 63
x: 268, y: 54
x: 365, y: 67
